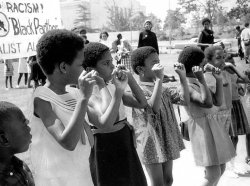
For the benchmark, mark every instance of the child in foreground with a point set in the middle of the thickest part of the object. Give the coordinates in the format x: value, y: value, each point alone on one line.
x: 158, y: 137
x: 113, y: 159
x: 210, y: 141
x: 58, y: 154
x: 15, y: 138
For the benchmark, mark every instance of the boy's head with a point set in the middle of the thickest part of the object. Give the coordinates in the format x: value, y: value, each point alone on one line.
x: 190, y: 57
x: 143, y: 59
x: 215, y: 55
x: 14, y: 130
x: 60, y: 50
x: 98, y: 57
x: 148, y: 25
x: 119, y: 36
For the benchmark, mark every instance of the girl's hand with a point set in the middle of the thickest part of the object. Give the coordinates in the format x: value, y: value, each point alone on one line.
x: 217, y: 73
x: 99, y: 80
x: 198, y: 72
x: 86, y: 81
x: 120, y: 79
x: 209, y: 68
x: 124, y: 69
x: 180, y: 69
x: 158, y: 69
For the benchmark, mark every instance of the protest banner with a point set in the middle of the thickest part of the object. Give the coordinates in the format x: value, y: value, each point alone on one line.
x: 22, y: 23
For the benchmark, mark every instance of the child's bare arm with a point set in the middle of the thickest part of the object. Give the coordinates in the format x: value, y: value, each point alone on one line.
x: 68, y: 136
x: 155, y: 100
x: 107, y: 119
x: 180, y: 70
x: 135, y: 99
x: 203, y: 99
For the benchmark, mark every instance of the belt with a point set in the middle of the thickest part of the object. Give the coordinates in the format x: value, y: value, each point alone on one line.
x: 94, y: 127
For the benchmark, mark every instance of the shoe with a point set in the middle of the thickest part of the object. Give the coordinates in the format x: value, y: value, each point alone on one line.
x: 232, y: 174
x: 17, y: 86
x: 7, y: 88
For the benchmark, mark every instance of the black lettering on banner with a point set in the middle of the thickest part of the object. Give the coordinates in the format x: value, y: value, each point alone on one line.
x: 9, y: 48
x: 31, y: 47
x: 24, y: 7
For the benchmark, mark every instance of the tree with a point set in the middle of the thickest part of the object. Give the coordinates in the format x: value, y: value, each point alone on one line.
x: 174, y: 19
x: 137, y: 20
x: 155, y: 21
x: 84, y: 16
x: 208, y: 7
x: 119, y: 18
x: 241, y: 11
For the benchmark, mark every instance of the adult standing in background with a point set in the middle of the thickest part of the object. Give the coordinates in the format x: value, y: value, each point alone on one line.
x: 104, y: 40
x: 22, y: 70
x: 117, y: 42
x: 83, y: 33
x: 206, y: 37
x: 245, y: 42
x: 147, y: 37
x: 238, y: 37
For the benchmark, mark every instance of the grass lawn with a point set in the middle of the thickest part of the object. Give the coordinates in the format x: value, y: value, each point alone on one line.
x: 185, y: 172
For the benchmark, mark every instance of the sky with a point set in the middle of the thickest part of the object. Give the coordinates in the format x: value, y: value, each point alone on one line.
x: 160, y: 7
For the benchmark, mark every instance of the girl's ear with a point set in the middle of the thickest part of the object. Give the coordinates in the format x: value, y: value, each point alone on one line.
x: 63, y: 67
x: 140, y: 70
x: 4, y: 142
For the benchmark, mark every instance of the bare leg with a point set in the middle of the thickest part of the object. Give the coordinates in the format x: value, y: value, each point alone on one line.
x: 167, y: 173
x: 212, y: 175
x: 19, y: 78
x: 222, y: 170
x: 25, y: 78
x: 155, y: 173
x: 11, y: 82
x: 6, y: 82
x: 248, y: 148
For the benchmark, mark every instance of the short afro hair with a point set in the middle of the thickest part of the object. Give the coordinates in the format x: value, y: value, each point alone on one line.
x: 6, y: 109
x: 210, y: 52
x: 190, y: 57
x: 93, y: 52
x: 205, y: 20
x: 246, y: 24
x: 57, y: 46
x: 139, y: 56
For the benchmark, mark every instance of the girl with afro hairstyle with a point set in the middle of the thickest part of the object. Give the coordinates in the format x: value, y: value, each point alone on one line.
x: 113, y: 159
x: 210, y: 142
x: 158, y: 136
x: 59, y: 154
x: 231, y: 110
x: 206, y: 37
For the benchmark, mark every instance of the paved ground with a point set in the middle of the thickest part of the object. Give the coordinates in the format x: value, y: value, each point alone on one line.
x: 185, y: 172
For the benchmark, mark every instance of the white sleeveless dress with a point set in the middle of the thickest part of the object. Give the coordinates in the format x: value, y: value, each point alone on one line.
x: 52, y: 165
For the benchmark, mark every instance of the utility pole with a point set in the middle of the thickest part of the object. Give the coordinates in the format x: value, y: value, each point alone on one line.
x: 170, y: 28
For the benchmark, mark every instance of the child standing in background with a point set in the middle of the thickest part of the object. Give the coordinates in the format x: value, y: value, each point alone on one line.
x: 8, y: 72
x: 210, y: 141
x: 159, y: 141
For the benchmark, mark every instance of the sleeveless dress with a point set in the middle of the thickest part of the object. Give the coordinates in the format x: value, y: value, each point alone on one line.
x: 211, y: 144
x: 51, y: 164
x: 8, y: 68
x: 113, y: 159
x: 158, y: 136
x: 22, y: 65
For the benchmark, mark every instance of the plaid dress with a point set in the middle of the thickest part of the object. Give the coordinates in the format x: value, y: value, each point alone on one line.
x: 8, y: 68
x: 126, y: 61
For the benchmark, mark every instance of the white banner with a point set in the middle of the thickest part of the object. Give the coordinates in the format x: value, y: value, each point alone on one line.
x: 22, y: 22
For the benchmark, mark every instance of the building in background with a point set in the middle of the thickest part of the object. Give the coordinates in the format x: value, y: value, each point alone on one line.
x: 96, y: 11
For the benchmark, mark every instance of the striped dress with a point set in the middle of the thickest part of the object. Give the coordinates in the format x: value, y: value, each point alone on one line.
x: 8, y: 68
x: 51, y: 163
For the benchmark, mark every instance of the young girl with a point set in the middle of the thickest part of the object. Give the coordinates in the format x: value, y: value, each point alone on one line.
x: 211, y: 144
x: 238, y: 124
x: 8, y: 72
x: 113, y: 158
x: 58, y: 156
x: 158, y: 136
x: 22, y: 70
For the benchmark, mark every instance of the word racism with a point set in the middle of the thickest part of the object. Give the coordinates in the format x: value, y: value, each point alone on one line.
x: 24, y: 7
x: 33, y: 27
x: 18, y: 47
